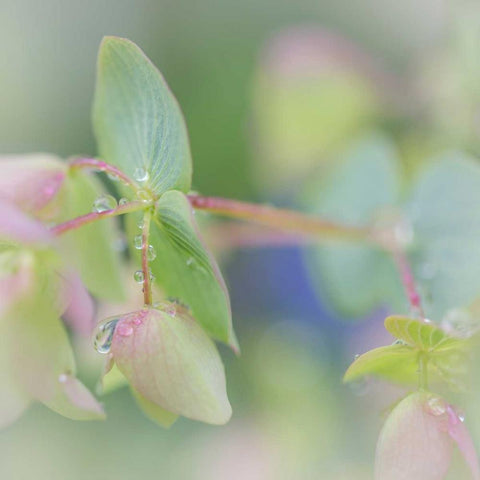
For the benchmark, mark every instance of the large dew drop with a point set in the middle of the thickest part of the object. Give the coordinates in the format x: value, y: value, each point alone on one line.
x: 104, y: 203
x: 104, y: 334
x: 140, y: 175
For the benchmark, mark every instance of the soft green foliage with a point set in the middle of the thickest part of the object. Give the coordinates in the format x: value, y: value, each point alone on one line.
x: 363, y: 185
x: 90, y: 248
x: 446, y: 220
x: 154, y: 412
x: 185, y: 270
x: 137, y: 121
x: 399, y: 362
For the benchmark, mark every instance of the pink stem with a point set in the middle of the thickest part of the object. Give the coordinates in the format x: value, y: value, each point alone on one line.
x: 94, y: 216
x: 103, y: 167
x: 408, y: 281
x: 279, y: 218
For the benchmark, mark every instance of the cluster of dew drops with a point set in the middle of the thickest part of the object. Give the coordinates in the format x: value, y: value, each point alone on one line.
x: 106, y: 328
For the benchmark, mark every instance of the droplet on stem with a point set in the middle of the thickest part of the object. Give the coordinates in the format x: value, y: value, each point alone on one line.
x: 103, y: 203
x: 151, y: 253
x: 138, y: 241
x: 138, y: 276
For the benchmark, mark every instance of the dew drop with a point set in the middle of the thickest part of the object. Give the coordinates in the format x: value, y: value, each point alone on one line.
x: 151, y: 253
x: 436, y: 406
x: 62, y: 378
x: 356, y: 356
x: 190, y: 262
x: 125, y: 329
x: 104, y: 334
x: 138, y: 276
x: 151, y: 275
x: 123, y: 201
x: 138, y: 241
x: 112, y: 177
x: 140, y: 174
x: 104, y: 203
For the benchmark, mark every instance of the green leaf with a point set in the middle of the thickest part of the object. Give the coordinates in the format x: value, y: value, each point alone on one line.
x: 42, y: 358
x: 90, y: 247
x: 185, y: 270
x: 154, y: 412
x: 363, y: 186
x: 423, y: 336
x: 396, y: 363
x: 137, y: 121
x: 112, y: 381
x: 446, y: 219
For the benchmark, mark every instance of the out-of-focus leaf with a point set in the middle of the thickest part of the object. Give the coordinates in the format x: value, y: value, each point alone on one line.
x: 169, y: 359
x: 446, y: 219
x: 42, y: 358
x: 154, y: 412
x: 423, y: 336
x: 137, y: 121
x: 113, y: 380
x: 396, y: 363
x: 185, y: 270
x: 358, y: 191
x: 311, y: 92
x: 90, y: 247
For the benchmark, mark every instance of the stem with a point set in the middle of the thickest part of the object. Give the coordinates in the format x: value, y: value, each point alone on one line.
x: 103, y: 167
x: 147, y: 287
x: 408, y: 281
x: 282, y: 219
x: 422, y: 371
x: 77, y: 222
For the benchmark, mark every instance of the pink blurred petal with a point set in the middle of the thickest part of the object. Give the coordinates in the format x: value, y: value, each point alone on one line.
x: 414, y: 443
x: 31, y: 181
x: 79, y: 395
x: 14, y: 286
x: 15, y: 226
x: 79, y: 314
x: 459, y: 433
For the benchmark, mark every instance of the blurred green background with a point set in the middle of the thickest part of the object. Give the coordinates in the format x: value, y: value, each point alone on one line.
x: 292, y: 416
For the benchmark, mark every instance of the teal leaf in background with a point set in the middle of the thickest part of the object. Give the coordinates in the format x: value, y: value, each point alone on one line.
x: 137, y: 121
x: 445, y: 214
x: 363, y: 184
x: 91, y: 247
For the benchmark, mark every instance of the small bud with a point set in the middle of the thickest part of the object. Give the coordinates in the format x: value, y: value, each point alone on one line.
x: 172, y: 363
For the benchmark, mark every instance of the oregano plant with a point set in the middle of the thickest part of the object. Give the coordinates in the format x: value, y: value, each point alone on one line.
x: 410, y: 246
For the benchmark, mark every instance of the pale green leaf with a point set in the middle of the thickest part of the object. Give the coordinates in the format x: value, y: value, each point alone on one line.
x: 421, y: 335
x: 154, y: 412
x: 91, y: 247
x: 137, y: 121
x: 185, y: 270
x: 396, y: 363
x: 113, y: 380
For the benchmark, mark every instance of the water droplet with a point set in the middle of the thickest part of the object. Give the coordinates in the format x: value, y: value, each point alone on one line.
x: 151, y: 253
x: 139, y: 223
x: 138, y: 241
x: 190, y: 262
x: 356, y: 356
x: 138, y: 276
x: 125, y: 329
x: 62, y: 378
x: 104, y: 203
x: 104, y: 334
x: 143, y: 196
x: 112, y: 177
x: 123, y: 201
x: 140, y: 174
x: 427, y: 320
x: 459, y: 322
x: 436, y: 406
x: 151, y: 275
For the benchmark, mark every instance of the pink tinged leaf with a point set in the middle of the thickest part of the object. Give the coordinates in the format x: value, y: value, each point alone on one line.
x: 17, y: 227
x: 460, y: 435
x: 414, y: 443
x: 31, y: 181
x: 169, y: 359
x: 79, y: 314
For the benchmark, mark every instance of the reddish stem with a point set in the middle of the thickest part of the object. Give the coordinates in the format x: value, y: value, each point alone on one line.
x: 408, y: 281
x: 102, y: 166
x: 147, y: 287
x: 94, y: 216
x: 279, y: 218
